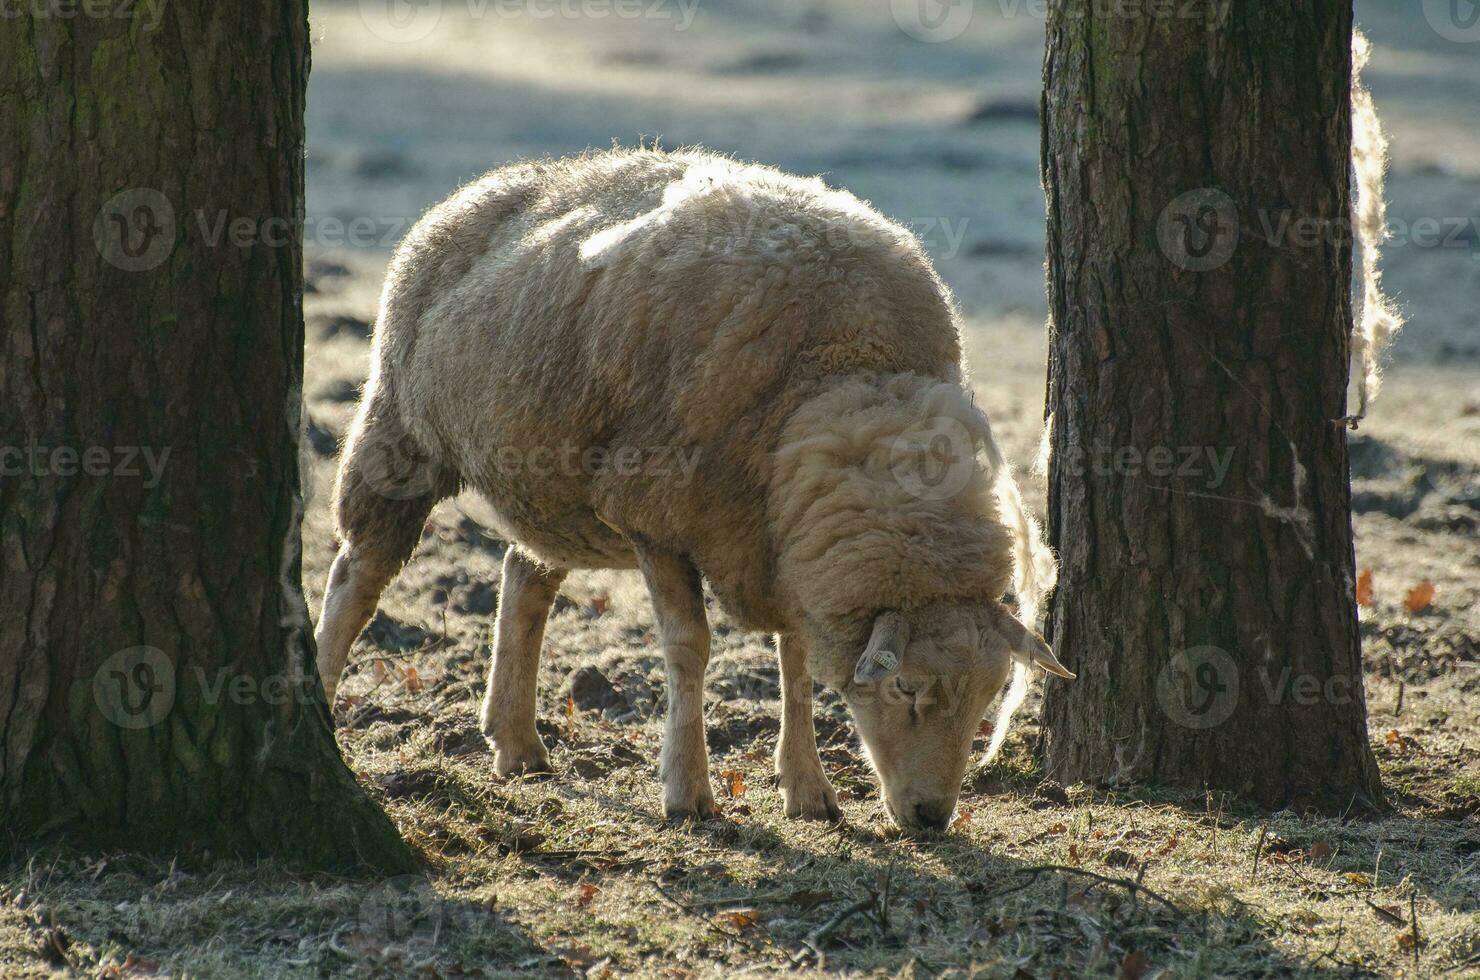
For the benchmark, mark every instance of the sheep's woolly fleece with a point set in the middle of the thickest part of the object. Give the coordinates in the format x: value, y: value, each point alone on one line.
x: 1376, y: 316
x: 793, y: 339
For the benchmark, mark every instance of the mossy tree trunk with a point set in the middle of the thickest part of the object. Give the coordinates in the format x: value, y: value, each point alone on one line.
x: 1196, y: 168
x: 156, y: 681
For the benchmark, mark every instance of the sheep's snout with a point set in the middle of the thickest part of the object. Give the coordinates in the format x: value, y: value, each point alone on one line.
x: 934, y: 816
x: 922, y: 817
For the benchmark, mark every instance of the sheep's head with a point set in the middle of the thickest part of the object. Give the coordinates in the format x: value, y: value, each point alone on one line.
x: 918, y: 692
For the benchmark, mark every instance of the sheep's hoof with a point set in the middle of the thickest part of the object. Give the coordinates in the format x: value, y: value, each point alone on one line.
x: 524, y: 761
x: 812, y: 802
x: 701, y: 807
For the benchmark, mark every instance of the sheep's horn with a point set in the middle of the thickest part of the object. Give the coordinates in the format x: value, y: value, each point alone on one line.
x: 1027, y: 646
x: 881, y: 657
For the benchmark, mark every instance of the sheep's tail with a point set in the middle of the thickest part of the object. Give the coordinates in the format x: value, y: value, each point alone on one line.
x: 1034, y: 572
x: 1375, y: 316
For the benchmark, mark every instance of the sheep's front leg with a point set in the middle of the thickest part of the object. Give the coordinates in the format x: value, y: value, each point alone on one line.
x: 525, y: 596
x: 805, y: 790
x: 678, y: 600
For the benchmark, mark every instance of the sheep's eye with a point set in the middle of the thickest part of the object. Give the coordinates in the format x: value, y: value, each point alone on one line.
x: 911, y: 697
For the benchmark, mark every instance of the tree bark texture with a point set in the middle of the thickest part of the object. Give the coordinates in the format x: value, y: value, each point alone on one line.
x: 1196, y: 167
x: 157, y: 689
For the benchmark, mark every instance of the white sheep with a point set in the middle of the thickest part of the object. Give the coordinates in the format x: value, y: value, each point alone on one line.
x: 697, y: 367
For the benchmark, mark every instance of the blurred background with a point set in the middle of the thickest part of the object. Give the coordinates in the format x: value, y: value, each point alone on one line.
x: 927, y: 110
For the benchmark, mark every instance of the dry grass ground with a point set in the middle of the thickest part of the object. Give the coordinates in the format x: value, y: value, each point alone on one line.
x: 579, y: 874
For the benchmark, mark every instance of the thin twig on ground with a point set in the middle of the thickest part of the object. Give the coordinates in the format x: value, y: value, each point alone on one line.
x: 1413, y: 917
x: 813, y: 943
x: 1259, y: 850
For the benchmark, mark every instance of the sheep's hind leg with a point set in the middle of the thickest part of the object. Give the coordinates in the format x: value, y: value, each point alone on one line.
x: 356, y: 579
x: 525, y: 596
x: 805, y: 790
x: 380, y: 514
x: 678, y: 600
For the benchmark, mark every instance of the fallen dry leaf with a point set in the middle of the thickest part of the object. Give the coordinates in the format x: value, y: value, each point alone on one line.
x: 963, y: 819
x: 411, y: 680
x: 734, y: 782
x: 1364, y: 588
x: 1420, y: 596
x: 1057, y: 828
x: 1359, y: 879
x: 585, y: 894
x: 739, y: 919
x: 1399, y: 741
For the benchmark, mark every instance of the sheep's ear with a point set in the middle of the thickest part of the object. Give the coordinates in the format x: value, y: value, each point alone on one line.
x: 885, y: 650
x: 1027, y: 646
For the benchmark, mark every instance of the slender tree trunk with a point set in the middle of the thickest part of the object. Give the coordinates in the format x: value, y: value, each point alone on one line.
x: 1196, y: 168
x: 156, y: 681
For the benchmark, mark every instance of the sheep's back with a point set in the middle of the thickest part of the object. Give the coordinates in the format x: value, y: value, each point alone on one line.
x: 655, y: 302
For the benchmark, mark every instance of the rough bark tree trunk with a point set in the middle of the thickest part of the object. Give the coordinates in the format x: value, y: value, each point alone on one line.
x: 157, y: 689
x: 1196, y: 167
